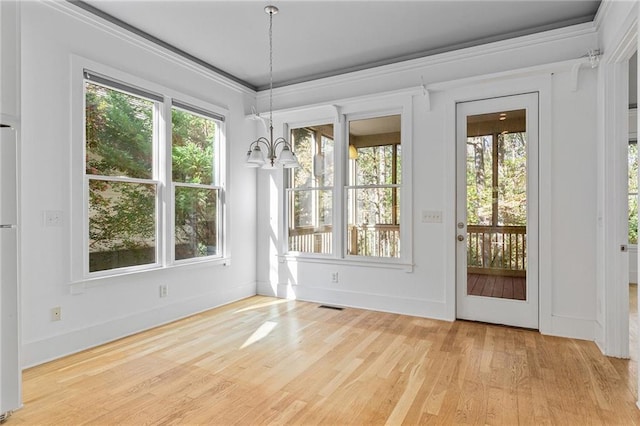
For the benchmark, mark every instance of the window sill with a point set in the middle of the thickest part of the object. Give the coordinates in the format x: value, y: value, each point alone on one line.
x: 94, y: 281
x: 376, y: 262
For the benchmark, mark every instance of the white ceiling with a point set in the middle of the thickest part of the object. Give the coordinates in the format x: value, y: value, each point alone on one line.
x: 321, y: 38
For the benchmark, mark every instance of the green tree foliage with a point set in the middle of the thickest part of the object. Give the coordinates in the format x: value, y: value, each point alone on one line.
x: 122, y: 215
x: 119, y: 131
x: 479, y: 180
x: 375, y: 166
x: 193, y: 151
x: 512, y: 179
x: 509, y: 163
x: 633, y: 193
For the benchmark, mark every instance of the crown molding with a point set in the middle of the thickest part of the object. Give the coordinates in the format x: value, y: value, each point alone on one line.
x: 531, y: 40
x: 334, y: 107
x: 101, y: 23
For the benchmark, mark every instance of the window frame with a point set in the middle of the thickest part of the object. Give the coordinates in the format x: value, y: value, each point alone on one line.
x: 215, y: 185
x: 348, y: 186
x: 393, y: 103
x: 288, y: 178
x: 162, y: 174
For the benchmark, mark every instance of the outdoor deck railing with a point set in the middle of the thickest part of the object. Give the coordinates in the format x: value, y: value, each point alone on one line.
x: 497, y: 250
x: 490, y: 249
x: 364, y: 240
x: 311, y: 240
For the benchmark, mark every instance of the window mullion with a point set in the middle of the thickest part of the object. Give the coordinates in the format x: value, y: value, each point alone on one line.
x: 340, y: 152
x: 163, y: 170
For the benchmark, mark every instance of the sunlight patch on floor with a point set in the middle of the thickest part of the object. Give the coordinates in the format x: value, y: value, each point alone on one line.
x: 262, y: 332
x: 261, y: 305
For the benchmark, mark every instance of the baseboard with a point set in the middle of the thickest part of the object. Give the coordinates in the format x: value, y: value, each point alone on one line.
x: 41, y: 351
x: 377, y: 302
x: 574, y: 328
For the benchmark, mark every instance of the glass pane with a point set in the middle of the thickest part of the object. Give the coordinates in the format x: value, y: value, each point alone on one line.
x: 193, y: 140
x: 196, y: 217
x: 374, y: 148
x: 310, y: 221
x: 512, y: 179
x: 119, y: 133
x: 373, y: 226
x: 633, y: 219
x: 633, y: 192
x: 479, y: 179
x: 497, y: 205
x: 303, y: 143
x: 375, y: 166
x: 314, y: 148
x: 633, y: 167
x: 326, y: 177
x: 122, y: 224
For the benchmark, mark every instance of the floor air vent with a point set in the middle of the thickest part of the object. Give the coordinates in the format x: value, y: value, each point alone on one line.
x: 335, y: 308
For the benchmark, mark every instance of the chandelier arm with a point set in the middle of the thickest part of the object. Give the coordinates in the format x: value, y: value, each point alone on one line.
x: 281, y: 141
x: 260, y: 140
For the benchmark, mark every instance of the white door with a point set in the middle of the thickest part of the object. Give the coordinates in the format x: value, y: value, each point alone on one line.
x: 497, y: 210
x: 10, y: 373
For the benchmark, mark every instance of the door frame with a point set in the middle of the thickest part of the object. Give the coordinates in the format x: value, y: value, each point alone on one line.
x: 613, y: 303
x: 466, y: 91
x: 502, y: 311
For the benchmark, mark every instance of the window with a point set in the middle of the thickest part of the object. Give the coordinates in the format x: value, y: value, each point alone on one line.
x: 195, y: 179
x: 126, y: 224
x: 351, y: 208
x: 310, y: 190
x: 633, y: 192
x: 373, y: 205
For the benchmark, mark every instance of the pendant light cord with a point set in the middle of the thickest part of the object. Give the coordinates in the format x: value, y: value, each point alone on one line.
x: 271, y: 69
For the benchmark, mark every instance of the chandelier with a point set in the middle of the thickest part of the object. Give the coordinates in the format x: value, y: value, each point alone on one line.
x: 255, y: 155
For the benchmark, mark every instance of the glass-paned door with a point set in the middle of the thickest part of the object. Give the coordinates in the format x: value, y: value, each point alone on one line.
x: 497, y: 199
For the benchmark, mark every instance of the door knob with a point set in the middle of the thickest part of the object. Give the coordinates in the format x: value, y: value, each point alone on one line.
x: 460, y: 237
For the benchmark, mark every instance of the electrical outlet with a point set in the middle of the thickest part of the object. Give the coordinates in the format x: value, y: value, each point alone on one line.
x: 164, y: 290
x: 56, y: 313
x: 334, y: 277
x: 431, y: 216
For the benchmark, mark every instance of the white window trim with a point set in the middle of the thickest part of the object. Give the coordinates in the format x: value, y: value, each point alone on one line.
x: 288, y: 127
x: 365, y: 107
x: 79, y: 240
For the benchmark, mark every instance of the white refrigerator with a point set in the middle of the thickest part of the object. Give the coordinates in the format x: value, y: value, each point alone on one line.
x: 10, y: 373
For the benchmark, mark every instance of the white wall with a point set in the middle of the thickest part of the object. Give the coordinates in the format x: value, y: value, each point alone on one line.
x: 111, y: 308
x: 568, y: 159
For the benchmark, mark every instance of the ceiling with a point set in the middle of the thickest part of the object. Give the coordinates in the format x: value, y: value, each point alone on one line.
x: 313, y: 39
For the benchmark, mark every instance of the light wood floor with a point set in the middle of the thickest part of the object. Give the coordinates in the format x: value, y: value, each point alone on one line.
x: 264, y: 360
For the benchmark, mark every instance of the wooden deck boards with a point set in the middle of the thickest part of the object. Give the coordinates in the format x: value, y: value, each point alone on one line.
x: 497, y: 286
x: 272, y: 361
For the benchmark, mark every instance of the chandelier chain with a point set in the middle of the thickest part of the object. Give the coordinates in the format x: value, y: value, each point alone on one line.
x: 271, y: 68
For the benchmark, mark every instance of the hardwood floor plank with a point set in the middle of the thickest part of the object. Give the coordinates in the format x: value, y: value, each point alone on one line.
x: 273, y: 361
